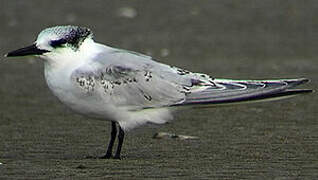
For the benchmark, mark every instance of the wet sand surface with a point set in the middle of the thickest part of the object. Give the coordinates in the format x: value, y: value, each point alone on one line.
x: 41, y: 139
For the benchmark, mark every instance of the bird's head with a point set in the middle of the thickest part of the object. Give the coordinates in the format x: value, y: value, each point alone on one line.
x: 55, y: 41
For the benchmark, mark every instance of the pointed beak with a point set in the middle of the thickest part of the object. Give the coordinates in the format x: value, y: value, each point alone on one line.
x: 26, y: 51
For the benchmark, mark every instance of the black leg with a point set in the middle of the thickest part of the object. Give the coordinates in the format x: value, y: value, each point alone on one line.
x: 121, y: 136
x: 108, y: 154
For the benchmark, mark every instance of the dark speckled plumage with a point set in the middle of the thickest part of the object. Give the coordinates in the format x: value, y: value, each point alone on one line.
x: 71, y: 35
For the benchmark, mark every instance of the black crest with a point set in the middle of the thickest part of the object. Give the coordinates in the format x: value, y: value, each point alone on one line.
x: 70, y: 35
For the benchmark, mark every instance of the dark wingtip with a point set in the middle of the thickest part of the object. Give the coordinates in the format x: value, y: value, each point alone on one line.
x: 299, y: 91
x: 304, y: 80
x: 296, y: 82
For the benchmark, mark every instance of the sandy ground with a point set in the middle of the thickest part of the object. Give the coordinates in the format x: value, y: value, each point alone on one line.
x: 41, y: 139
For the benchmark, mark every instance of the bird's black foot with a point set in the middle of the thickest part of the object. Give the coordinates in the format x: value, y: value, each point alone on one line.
x: 109, y: 157
x: 121, y: 136
x: 117, y: 157
x: 106, y: 156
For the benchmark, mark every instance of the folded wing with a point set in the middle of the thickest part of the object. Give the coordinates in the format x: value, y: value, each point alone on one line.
x: 230, y: 91
x: 135, y: 81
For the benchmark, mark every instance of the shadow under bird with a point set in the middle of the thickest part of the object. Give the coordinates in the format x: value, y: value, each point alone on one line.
x: 131, y: 89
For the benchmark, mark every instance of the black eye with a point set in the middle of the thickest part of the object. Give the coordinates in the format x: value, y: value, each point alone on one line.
x: 58, y: 43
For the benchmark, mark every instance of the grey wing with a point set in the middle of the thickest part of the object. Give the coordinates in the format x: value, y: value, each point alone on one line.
x: 128, y: 80
x: 136, y: 81
x: 232, y: 91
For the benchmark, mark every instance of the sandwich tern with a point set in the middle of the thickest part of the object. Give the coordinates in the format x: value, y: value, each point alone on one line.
x: 131, y: 89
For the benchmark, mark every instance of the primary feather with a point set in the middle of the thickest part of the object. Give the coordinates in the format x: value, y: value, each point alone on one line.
x: 230, y: 91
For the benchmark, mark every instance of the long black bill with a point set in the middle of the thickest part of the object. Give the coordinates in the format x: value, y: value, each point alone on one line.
x: 26, y: 51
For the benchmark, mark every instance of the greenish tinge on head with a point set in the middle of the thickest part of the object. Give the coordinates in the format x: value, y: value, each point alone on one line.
x: 60, y: 36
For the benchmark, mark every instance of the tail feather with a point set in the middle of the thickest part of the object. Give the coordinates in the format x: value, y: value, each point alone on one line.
x: 232, y: 91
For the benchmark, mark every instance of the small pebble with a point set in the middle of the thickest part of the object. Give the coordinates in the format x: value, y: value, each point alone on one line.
x: 165, y: 135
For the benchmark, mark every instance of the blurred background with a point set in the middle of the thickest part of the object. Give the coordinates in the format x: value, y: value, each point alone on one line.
x: 251, y: 39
